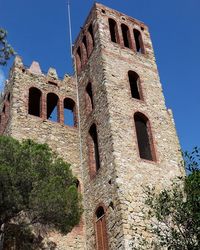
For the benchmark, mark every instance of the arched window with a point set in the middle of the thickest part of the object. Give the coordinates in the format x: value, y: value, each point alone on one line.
x: 134, y: 85
x: 89, y: 98
x: 4, y: 109
x: 126, y: 35
x: 52, y: 107
x: 78, y: 62
x: 69, y: 112
x: 101, y: 232
x: 84, y: 41
x: 83, y: 53
x: 79, y: 54
x: 90, y: 30
x: 144, y: 137
x: 113, y: 30
x: 93, y: 151
x: 34, y: 102
x: 8, y: 97
x: 78, y: 186
x: 90, y: 40
x: 138, y: 41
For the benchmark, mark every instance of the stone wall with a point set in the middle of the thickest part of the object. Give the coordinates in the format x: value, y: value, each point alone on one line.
x: 118, y: 185
x: 119, y: 182
x: 63, y: 139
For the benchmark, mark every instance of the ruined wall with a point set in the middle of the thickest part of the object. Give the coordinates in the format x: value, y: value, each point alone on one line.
x: 61, y: 138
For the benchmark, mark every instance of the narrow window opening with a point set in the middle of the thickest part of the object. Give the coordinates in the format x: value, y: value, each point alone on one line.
x: 52, y: 107
x: 125, y: 34
x: 94, y: 160
x: 78, y: 186
x: 85, y: 44
x: 34, y: 104
x: 138, y: 41
x: 143, y: 137
x: 79, y: 52
x: 89, y: 98
x: 134, y: 84
x: 8, y: 97
x: 90, y: 30
x: 113, y: 30
x: 69, y: 110
x: 4, y: 109
x: 100, y: 212
x: 101, y: 232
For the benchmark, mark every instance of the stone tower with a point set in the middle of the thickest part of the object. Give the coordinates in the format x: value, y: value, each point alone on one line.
x: 127, y: 138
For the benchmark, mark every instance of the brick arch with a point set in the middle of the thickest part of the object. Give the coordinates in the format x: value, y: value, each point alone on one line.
x: 78, y: 60
x: 83, y: 53
x: 114, y: 33
x: 139, y: 45
x: 100, y: 227
x: 52, y: 103
x: 89, y: 100
x: 144, y: 137
x: 135, y: 85
x: 126, y: 36
x: 90, y: 39
x: 70, y: 105
x: 93, y: 151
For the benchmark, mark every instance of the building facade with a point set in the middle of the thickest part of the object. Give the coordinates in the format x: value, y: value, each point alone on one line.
x: 120, y: 136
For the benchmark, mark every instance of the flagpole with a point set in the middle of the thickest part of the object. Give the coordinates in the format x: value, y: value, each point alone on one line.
x: 70, y: 27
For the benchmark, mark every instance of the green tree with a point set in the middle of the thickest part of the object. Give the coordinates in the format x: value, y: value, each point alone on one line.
x: 175, y: 212
x: 35, y: 181
x: 6, y: 51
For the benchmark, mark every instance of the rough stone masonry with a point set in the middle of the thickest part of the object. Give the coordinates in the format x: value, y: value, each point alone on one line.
x: 128, y: 137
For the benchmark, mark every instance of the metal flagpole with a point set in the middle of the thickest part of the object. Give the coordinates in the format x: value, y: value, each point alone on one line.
x: 77, y: 94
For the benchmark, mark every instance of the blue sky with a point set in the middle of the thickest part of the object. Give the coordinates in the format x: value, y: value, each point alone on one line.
x: 38, y: 30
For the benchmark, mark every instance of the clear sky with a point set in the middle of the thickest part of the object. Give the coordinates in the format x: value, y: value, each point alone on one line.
x: 38, y: 30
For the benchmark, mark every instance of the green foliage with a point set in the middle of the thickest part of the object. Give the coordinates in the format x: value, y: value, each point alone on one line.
x: 175, y: 212
x: 35, y: 180
x: 6, y: 51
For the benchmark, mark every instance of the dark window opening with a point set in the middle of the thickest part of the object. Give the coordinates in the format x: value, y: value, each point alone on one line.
x: 78, y: 186
x: 143, y: 137
x: 100, y: 212
x: 52, y: 83
x: 52, y: 107
x: 85, y: 44
x: 79, y: 52
x: 69, y: 110
x: 113, y: 30
x: 138, y: 41
x: 134, y: 84
x: 89, y: 98
x: 101, y: 232
x: 4, y: 109
x: 125, y: 34
x: 94, y: 160
x: 8, y: 97
x: 90, y: 30
x: 34, y: 105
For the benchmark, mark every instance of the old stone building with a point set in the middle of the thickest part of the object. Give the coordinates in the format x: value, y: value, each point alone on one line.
x: 120, y: 136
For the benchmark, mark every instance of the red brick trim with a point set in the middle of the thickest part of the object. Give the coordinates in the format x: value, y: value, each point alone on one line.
x: 101, y: 223
x: 140, y: 87
x: 151, y: 138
